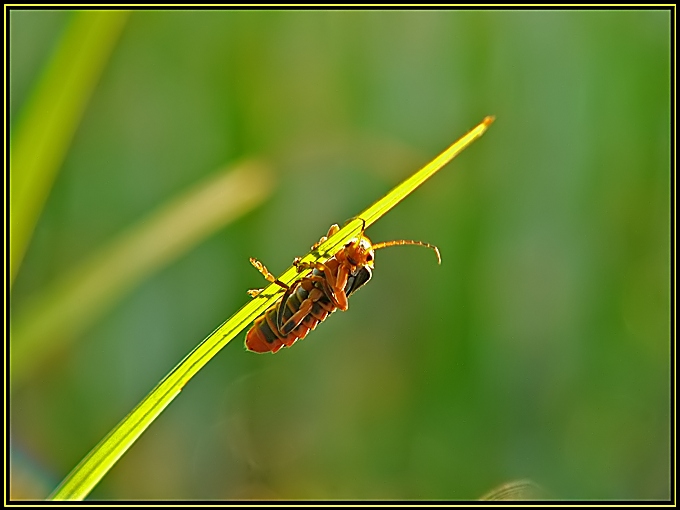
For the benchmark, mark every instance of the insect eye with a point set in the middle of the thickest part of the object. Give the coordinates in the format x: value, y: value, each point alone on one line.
x: 369, y: 257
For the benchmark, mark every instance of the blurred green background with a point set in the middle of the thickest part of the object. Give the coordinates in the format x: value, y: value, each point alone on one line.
x: 538, y: 349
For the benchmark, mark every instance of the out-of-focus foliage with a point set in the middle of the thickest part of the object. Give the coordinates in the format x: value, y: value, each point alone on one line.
x: 538, y: 349
x: 42, y: 135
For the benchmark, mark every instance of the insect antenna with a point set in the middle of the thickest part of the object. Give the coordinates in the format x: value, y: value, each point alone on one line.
x: 403, y: 242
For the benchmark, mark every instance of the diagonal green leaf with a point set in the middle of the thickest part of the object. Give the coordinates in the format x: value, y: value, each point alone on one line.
x: 47, y: 125
x: 373, y: 213
x: 92, y: 468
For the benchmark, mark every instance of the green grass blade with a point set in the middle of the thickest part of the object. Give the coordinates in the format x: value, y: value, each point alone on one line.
x: 40, y: 140
x: 373, y: 213
x: 396, y: 195
x: 60, y: 312
x: 97, y: 463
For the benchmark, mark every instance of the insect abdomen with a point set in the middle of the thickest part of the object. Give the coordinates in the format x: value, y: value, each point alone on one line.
x: 263, y: 336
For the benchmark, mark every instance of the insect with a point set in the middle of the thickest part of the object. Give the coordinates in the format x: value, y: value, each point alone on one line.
x: 311, y: 299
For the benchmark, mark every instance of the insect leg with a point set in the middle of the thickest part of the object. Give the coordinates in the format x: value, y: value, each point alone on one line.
x: 331, y: 282
x: 268, y: 276
x: 304, y: 266
x: 296, y: 319
x: 338, y: 287
x: 334, y: 284
x: 334, y: 229
x: 331, y: 288
x: 285, y: 326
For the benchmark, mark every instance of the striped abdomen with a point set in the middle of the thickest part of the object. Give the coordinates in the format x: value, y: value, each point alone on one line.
x: 311, y: 292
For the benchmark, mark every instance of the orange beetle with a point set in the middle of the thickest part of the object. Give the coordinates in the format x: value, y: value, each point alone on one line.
x: 311, y: 299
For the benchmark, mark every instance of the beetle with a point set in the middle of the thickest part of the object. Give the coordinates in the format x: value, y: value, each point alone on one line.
x: 311, y: 299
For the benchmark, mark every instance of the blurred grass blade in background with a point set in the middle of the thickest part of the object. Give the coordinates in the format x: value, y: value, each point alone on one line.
x: 59, y: 313
x: 103, y: 457
x: 520, y: 490
x: 46, y: 126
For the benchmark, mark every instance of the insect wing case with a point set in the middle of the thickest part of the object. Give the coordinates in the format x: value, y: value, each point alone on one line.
x: 358, y: 279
